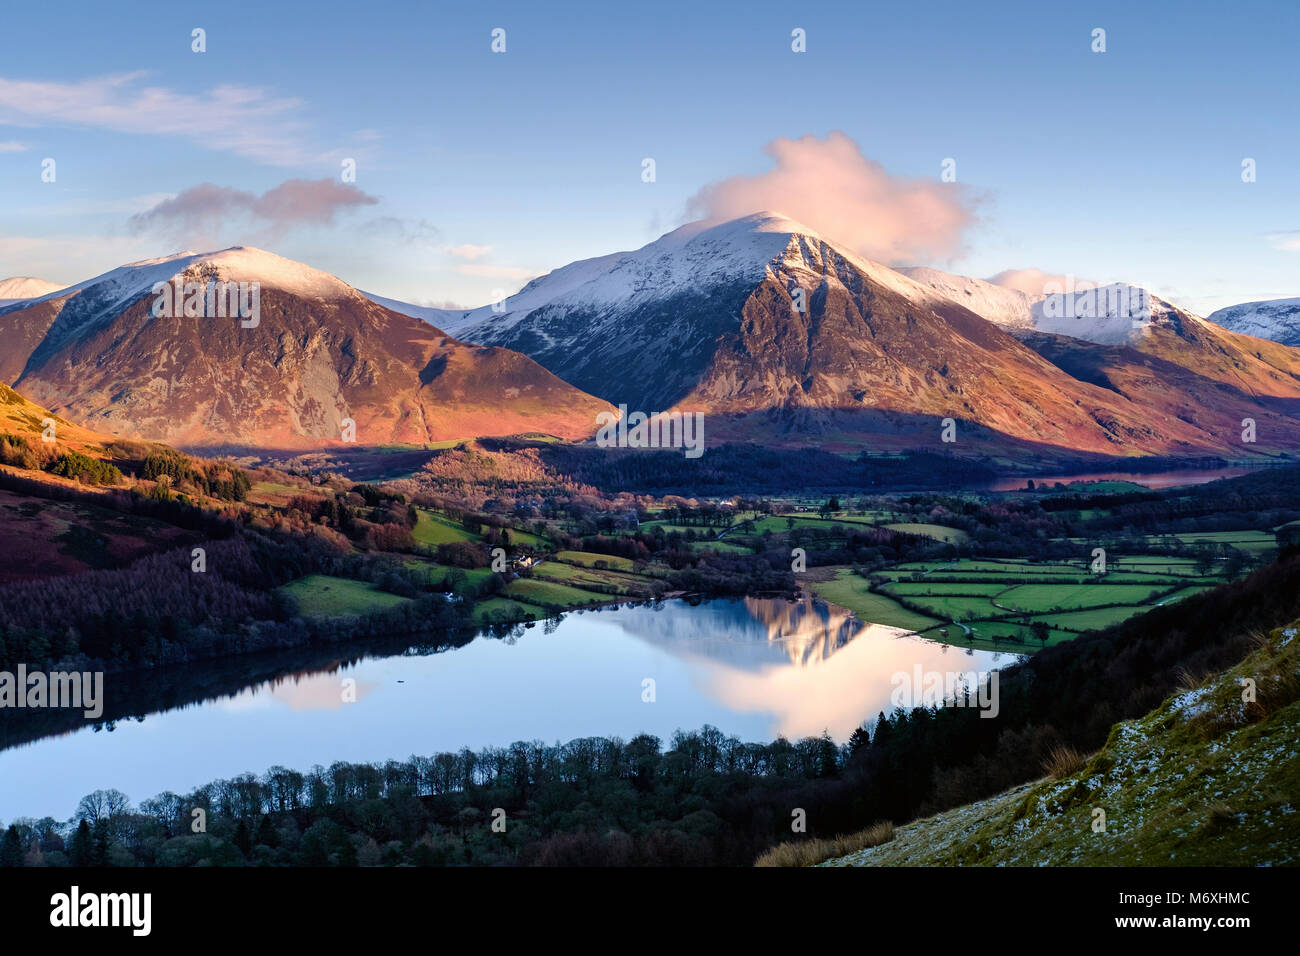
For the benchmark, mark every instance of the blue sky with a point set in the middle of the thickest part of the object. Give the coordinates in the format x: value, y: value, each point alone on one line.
x: 478, y: 170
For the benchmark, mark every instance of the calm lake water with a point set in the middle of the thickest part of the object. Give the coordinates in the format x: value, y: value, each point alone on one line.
x: 754, y: 667
x: 1151, y: 479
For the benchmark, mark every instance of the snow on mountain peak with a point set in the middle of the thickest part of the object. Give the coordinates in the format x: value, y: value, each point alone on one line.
x: 697, y: 255
x: 21, y: 288
x: 1275, y: 319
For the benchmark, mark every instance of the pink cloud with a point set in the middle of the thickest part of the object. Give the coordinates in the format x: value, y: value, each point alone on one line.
x: 204, y: 211
x: 1036, y: 282
x: 831, y: 187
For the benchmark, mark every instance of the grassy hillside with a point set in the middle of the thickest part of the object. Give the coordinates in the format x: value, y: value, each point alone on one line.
x: 323, y: 595
x: 1205, y: 779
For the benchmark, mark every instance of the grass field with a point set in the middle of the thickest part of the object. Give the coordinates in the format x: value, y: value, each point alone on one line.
x: 631, y: 584
x: 979, y: 600
x: 1047, y: 597
x: 909, y: 588
x: 720, y: 546
x: 548, y: 593
x: 438, y: 572
x: 850, y: 591
x: 527, y: 539
x: 1252, y: 542
x: 996, y: 635
x: 589, y: 559
x: 273, y: 493
x: 936, y: 531
x: 1092, y: 620
x: 322, y: 595
x: 432, y: 530
x: 947, y: 607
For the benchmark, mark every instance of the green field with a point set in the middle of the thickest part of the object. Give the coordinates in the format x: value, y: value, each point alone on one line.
x: 630, y: 584
x: 1047, y: 597
x: 731, y: 546
x: 550, y: 594
x: 589, y: 559
x: 909, y: 588
x: 1184, y: 593
x: 527, y: 539
x: 996, y: 635
x: 936, y: 531
x: 1252, y: 542
x: 1092, y: 620
x: 437, y: 573
x: 990, y: 598
x: 850, y: 591
x: 954, y: 608
x: 322, y: 595
x: 432, y: 530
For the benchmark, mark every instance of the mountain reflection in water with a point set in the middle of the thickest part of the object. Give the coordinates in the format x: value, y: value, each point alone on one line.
x: 754, y: 668
x: 812, y: 666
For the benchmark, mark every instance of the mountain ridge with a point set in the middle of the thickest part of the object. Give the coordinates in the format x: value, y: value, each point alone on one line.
x: 320, y: 353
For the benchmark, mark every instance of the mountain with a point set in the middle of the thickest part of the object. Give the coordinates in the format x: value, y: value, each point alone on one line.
x: 1276, y: 319
x: 320, y: 352
x: 1157, y: 355
x: 442, y: 318
x: 707, y: 318
x: 21, y: 288
x: 1009, y: 308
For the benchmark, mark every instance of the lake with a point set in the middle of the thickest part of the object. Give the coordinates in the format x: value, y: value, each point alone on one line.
x: 755, y: 668
x: 1174, y: 478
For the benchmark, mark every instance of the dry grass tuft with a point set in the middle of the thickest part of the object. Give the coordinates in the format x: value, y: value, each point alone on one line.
x: 1063, y: 761
x: 811, y: 852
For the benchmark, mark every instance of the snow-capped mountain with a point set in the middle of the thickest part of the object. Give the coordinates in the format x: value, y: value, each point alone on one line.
x: 316, y: 354
x: 1122, y: 315
x: 1275, y: 319
x: 784, y: 336
x: 21, y: 288
x: 777, y: 333
x: 1115, y: 313
x: 441, y: 318
x: 1009, y: 308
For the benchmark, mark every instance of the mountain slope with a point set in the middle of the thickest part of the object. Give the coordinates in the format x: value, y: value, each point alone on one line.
x: 21, y: 288
x: 1205, y: 779
x: 320, y: 353
x: 1275, y: 319
x: 1118, y: 314
x: 1009, y: 308
x: 707, y: 319
x: 441, y: 318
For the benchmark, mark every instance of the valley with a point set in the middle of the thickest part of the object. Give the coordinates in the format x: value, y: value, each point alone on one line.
x: 339, y: 535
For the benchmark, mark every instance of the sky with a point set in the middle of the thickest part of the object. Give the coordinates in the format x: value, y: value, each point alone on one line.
x: 476, y: 170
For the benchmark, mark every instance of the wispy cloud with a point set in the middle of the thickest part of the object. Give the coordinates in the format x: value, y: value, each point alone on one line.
x: 237, y: 119
x: 484, y: 271
x: 204, y: 212
x: 468, y: 251
x: 70, y: 259
x: 830, y: 186
x: 406, y: 232
x: 1035, y: 282
x: 13, y: 146
x: 1286, y: 241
